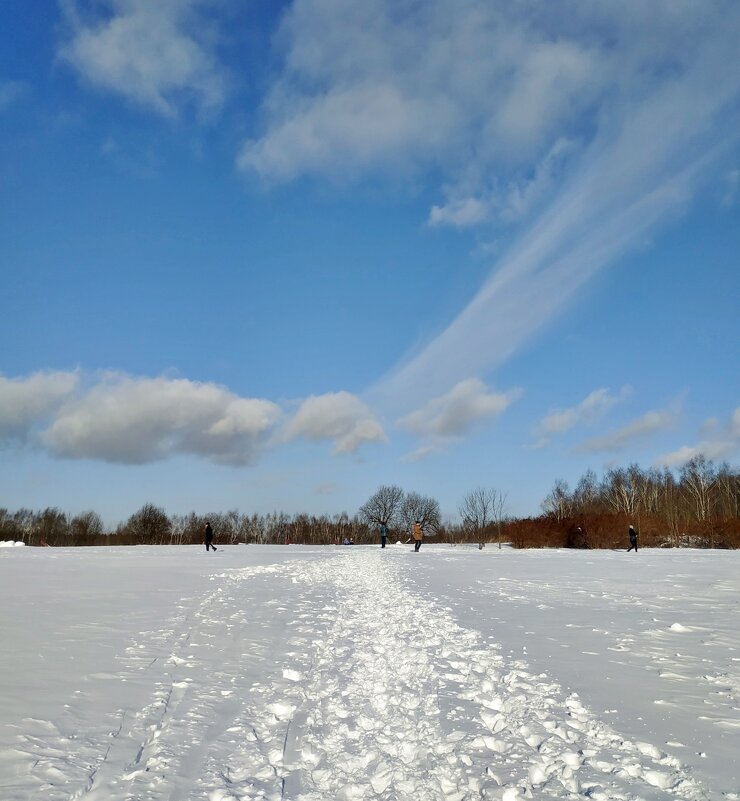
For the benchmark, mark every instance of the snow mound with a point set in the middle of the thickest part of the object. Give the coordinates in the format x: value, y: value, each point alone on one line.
x: 11, y: 544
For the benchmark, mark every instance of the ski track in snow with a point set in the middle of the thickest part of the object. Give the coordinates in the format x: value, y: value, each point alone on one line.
x: 382, y: 695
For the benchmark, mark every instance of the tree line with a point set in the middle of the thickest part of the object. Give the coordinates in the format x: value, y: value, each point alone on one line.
x: 697, y: 506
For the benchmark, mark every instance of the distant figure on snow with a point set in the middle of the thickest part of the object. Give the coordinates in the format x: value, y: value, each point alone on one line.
x: 383, y: 534
x: 417, y: 534
x: 633, y: 539
x: 209, y: 537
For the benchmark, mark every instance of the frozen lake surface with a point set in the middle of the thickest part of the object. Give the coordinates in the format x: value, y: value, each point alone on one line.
x: 354, y: 673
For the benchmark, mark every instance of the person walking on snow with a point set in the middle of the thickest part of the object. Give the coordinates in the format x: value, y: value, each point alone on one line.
x: 633, y: 539
x: 417, y: 534
x: 383, y: 534
x: 209, y: 537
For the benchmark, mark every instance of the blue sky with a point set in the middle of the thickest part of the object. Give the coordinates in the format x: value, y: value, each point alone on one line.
x: 273, y: 255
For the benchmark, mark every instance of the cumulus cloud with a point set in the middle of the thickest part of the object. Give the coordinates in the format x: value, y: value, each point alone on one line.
x: 644, y: 426
x: 364, y: 86
x: 121, y: 419
x: 590, y: 409
x: 139, y: 420
x: 26, y: 402
x: 454, y: 413
x: 724, y: 443
x: 340, y: 417
x: 154, y: 54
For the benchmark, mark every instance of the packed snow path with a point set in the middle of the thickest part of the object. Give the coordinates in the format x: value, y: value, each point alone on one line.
x: 378, y: 693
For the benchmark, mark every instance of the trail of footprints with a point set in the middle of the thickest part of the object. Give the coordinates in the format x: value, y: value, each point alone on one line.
x: 393, y: 700
x: 381, y: 696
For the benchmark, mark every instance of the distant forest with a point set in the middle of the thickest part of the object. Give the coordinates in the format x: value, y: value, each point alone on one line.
x: 698, y: 506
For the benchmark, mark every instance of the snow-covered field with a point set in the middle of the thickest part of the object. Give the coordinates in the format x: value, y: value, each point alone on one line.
x: 355, y: 673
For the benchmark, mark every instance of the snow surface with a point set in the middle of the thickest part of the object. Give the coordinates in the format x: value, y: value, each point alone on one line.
x: 359, y: 673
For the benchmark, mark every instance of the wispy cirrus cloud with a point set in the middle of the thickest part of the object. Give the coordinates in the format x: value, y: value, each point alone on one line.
x: 590, y: 409
x: 643, y: 427
x: 551, y: 116
x: 718, y: 442
x: 158, y: 55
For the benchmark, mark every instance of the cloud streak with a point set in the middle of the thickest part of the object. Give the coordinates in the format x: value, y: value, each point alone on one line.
x: 641, y: 428
x: 574, y: 120
x: 590, y: 409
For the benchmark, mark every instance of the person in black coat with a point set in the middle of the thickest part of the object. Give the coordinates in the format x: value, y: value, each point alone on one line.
x: 209, y: 537
x: 633, y: 539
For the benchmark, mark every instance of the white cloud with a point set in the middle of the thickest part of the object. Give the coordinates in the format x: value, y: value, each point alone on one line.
x: 557, y: 109
x: 364, y: 86
x: 459, y: 212
x: 338, y: 416
x: 26, y: 402
x: 10, y: 93
x: 722, y: 444
x: 155, y: 54
x: 638, y: 429
x: 454, y: 413
x: 139, y: 420
x: 591, y: 408
x: 420, y: 453
x: 121, y: 419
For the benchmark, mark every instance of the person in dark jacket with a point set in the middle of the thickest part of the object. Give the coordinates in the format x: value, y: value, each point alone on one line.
x: 633, y: 539
x: 209, y: 537
x: 383, y: 534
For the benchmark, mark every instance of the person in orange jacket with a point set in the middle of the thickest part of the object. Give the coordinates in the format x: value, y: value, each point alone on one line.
x: 417, y: 534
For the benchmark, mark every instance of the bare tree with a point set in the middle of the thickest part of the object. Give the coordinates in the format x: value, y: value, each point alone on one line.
x: 499, y: 513
x: 558, y: 503
x: 586, y: 494
x: 422, y: 508
x: 85, y: 527
x: 52, y: 527
x: 728, y: 491
x: 697, y: 480
x: 479, y: 509
x: 476, y: 510
x: 149, y: 525
x: 383, y: 506
x: 621, y: 489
